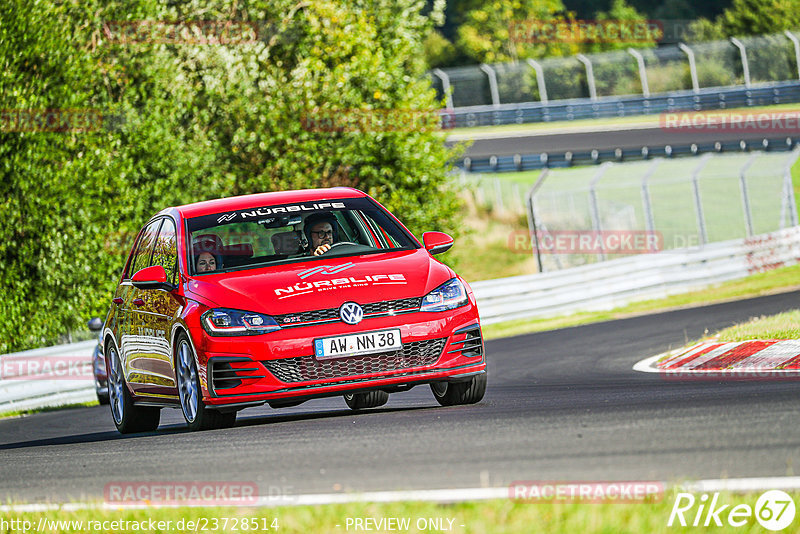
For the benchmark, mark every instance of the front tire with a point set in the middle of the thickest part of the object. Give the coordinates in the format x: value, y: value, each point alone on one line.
x: 198, y: 416
x: 128, y: 418
x: 370, y: 399
x: 455, y: 393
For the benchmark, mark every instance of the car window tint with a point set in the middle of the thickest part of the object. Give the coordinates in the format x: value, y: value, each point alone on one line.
x: 144, y: 248
x: 250, y: 233
x: 165, y: 252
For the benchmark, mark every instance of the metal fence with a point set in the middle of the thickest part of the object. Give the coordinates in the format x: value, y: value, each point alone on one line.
x: 623, y: 106
x: 749, y: 71
x: 744, y: 61
x: 684, y: 202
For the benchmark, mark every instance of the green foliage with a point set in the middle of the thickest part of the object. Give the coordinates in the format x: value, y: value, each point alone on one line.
x: 757, y: 17
x: 498, y: 31
x: 193, y: 122
x: 492, y: 31
x: 750, y: 17
x: 438, y: 50
x: 620, y: 11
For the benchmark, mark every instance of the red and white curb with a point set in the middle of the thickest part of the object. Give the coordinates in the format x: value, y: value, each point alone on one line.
x: 764, y: 357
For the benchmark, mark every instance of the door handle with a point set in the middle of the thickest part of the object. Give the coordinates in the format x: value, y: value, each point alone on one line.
x: 138, y: 302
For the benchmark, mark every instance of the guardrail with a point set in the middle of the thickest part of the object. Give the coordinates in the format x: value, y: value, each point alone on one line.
x: 613, y: 283
x: 532, y: 162
x: 623, y: 106
x: 26, y: 383
x: 602, y: 285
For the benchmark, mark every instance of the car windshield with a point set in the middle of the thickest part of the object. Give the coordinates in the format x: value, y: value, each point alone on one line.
x: 260, y: 236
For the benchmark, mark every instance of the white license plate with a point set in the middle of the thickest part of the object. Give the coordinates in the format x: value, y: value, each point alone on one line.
x: 355, y: 344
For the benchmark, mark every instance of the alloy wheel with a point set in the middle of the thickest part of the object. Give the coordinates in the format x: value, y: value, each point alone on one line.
x: 187, y: 381
x: 115, y: 384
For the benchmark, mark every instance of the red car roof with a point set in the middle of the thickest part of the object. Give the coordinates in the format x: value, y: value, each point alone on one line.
x: 219, y: 205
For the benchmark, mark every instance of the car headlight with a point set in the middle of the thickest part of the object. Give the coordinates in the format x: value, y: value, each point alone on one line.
x: 447, y: 296
x: 225, y: 322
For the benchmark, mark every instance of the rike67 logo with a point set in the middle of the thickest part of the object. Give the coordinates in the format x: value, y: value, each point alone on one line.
x: 774, y: 510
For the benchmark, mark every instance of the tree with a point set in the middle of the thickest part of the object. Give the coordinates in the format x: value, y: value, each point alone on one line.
x: 758, y: 17
x: 622, y: 11
x: 497, y: 31
x: 183, y: 122
x: 750, y: 17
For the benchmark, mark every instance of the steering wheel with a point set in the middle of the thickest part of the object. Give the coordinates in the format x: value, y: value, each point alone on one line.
x: 338, y: 244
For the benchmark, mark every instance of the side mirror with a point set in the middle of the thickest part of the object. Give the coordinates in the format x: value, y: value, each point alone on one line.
x: 95, y: 324
x: 154, y: 277
x: 437, y: 242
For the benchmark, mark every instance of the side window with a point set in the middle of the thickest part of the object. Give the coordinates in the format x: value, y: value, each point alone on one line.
x: 144, y: 248
x: 348, y: 232
x: 378, y: 236
x: 165, y: 252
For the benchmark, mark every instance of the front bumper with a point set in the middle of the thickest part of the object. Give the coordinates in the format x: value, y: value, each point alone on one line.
x: 282, y: 365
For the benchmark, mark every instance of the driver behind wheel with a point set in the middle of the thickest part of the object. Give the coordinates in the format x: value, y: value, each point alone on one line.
x: 321, y: 232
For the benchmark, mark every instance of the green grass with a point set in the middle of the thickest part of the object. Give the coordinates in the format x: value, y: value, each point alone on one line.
x: 22, y: 413
x: 495, y: 517
x: 781, y: 326
x: 778, y: 280
x: 598, y: 123
x: 485, y: 249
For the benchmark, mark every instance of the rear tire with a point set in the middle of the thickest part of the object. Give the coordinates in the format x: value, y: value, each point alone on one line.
x: 198, y: 416
x: 454, y: 393
x: 128, y: 418
x: 370, y: 399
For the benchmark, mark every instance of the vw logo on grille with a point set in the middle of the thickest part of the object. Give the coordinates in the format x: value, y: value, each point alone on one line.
x: 351, y: 313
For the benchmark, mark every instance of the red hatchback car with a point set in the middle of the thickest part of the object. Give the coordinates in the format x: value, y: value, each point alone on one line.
x: 280, y: 298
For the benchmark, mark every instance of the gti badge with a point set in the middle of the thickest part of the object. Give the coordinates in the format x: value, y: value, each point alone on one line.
x: 351, y: 313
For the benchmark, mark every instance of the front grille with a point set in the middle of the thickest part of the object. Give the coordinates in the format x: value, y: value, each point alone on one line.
x: 392, y: 305
x: 307, y: 317
x: 305, y: 368
x: 332, y: 314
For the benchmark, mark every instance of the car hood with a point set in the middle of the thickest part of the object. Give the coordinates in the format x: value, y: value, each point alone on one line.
x: 322, y: 284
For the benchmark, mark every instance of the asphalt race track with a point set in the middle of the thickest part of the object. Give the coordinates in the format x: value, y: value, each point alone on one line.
x: 561, y: 405
x: 605, y: 140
